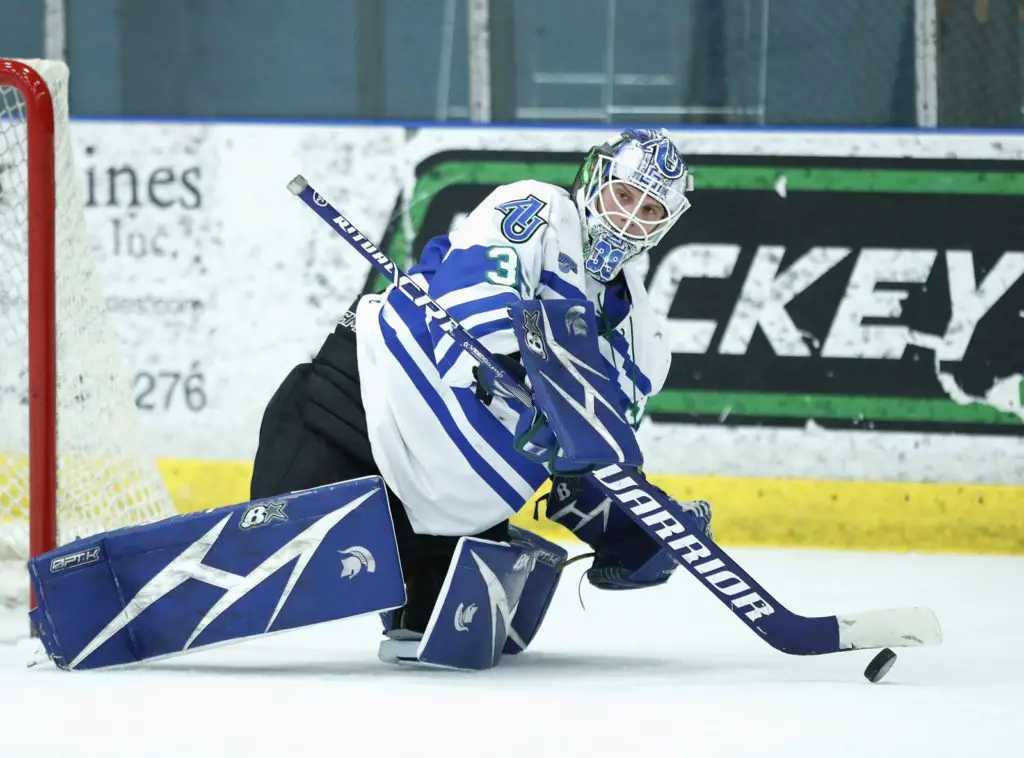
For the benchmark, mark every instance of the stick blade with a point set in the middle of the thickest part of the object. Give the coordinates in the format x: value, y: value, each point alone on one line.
x: 897, y: 627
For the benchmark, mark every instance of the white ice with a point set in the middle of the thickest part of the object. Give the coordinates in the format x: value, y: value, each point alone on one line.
x: 662, y: 672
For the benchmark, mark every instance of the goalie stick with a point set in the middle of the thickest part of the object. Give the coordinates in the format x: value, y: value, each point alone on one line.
x: 662, y: 517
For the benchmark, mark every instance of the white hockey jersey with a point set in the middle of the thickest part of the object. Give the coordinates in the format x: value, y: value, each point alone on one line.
x: 448, y: 457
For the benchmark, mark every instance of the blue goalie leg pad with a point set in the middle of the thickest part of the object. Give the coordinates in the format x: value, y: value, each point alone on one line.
x: 546, y: 569
x: 219, y: 575
x: 472, y: 617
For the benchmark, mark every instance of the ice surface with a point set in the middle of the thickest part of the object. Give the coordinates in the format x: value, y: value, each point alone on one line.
x: 666, y: 672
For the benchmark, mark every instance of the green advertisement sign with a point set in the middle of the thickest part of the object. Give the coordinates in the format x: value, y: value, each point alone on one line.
x: 851, y: 293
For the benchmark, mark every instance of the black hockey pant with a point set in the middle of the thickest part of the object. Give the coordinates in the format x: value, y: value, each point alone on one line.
x: 314, y: 432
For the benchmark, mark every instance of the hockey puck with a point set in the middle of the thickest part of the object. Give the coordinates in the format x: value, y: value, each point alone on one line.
x: 880, y: 666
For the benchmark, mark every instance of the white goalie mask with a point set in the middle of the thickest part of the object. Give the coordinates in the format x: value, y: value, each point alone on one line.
x: 629, y: 193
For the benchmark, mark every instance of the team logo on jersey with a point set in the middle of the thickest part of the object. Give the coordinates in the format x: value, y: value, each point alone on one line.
x: 464, y: 617
x: 532, y: 333
x: 566, y: 264
x: 262, y: 514
x: 522, y: 218
x: 354, y: 560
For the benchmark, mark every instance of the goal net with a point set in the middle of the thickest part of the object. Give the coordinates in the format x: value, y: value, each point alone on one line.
x: 72, y: 456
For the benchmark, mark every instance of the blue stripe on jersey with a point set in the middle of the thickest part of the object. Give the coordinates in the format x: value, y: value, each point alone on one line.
x: 451, y: 355
x: 436, y: 335
x: 412, y: 315
x: 479, y: 331
x: 463, y: 268
x: 462, y: 311
x: 614, y: 306
x: 501, y: 439
x: 490, y: 327
x: 500, y: 322
x: 432, y: 255
x: 433, y: 400
x: 612, y: 369
x: 629, y: 369
x: 553, y: 282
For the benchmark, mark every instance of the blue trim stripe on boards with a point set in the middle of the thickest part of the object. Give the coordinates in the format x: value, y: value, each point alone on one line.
x: 542, y: 126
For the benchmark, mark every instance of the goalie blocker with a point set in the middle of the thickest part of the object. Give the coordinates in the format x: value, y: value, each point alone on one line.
x: 270, y: 565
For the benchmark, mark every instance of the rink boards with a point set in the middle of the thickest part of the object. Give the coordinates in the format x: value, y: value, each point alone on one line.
x: 860, y: 515
x: 759, y: 511
x: 845, y: 308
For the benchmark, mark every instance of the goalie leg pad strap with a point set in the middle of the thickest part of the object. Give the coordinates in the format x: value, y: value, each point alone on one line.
x: 223, y: 574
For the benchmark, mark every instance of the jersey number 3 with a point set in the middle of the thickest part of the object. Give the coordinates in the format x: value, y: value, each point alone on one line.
x: 521, y: 218
x: 506, y: 272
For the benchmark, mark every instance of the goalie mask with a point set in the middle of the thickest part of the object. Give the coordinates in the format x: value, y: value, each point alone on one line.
x: 629, y: 193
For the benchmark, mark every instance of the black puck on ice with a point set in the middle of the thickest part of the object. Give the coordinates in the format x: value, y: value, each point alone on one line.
x: 880, y: 665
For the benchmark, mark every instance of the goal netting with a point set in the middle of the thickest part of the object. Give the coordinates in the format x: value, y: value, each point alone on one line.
x: 73, y: 459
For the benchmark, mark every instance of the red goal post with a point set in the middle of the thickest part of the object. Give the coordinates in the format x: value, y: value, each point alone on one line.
x: 73, y: 456
x: 42, y: 338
